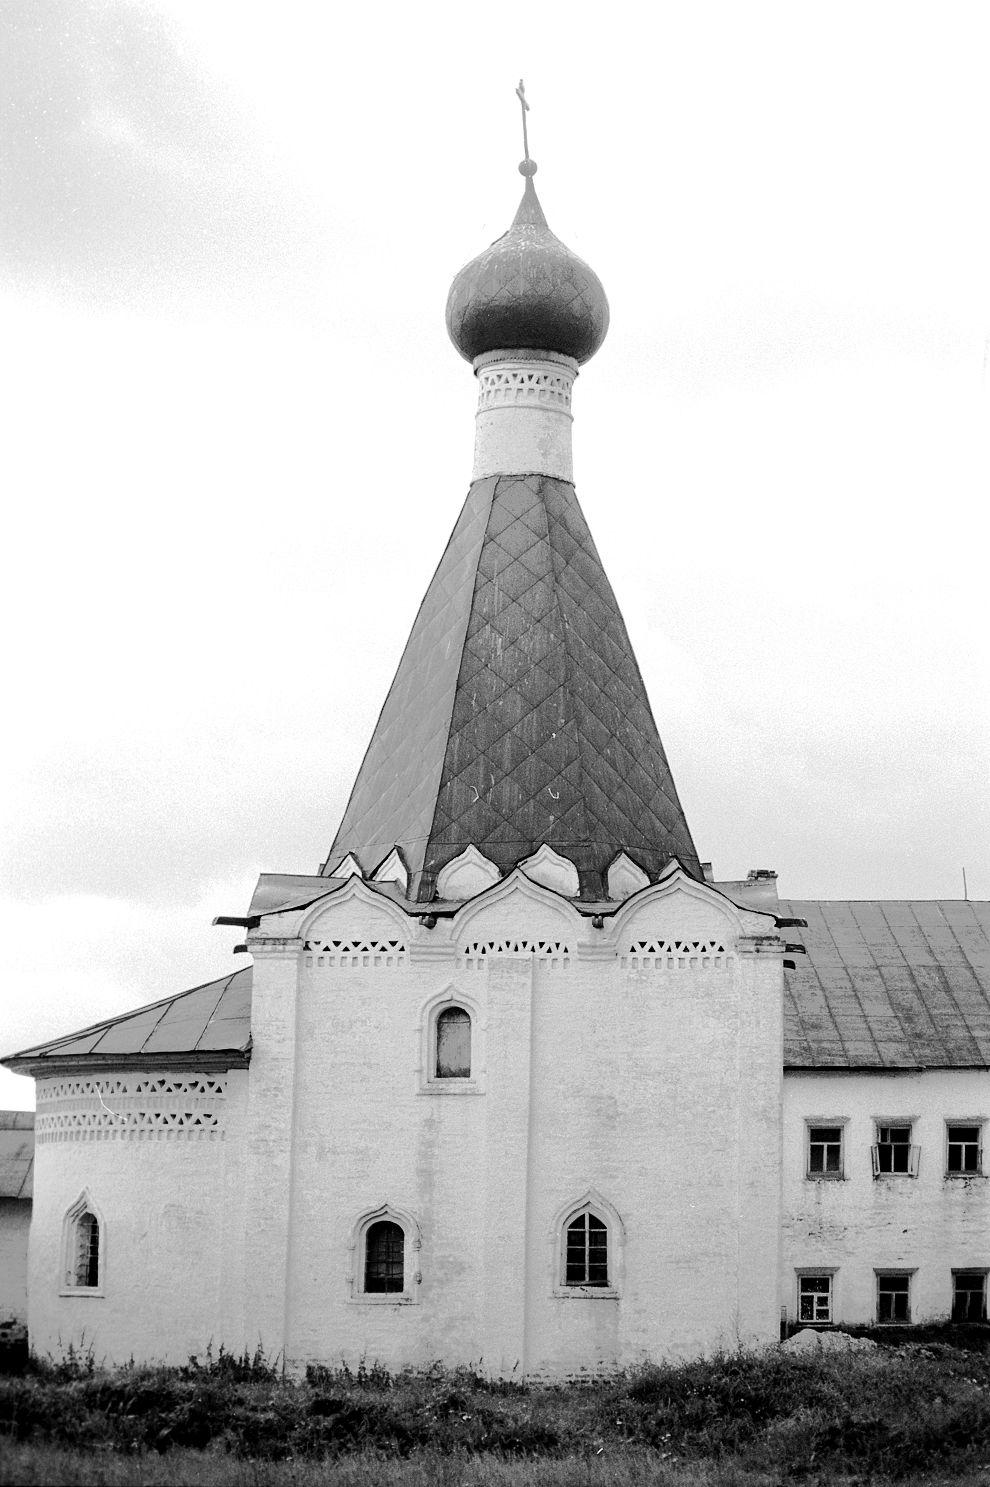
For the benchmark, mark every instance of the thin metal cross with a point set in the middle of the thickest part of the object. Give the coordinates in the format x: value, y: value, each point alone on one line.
x: 521, y: 95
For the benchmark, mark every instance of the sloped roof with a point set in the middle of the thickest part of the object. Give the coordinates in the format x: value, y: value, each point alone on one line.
x: 16, y: 1153
x: 518, y: 715
x: 896, y: 984
x: 884, y: 985
x: 212, y: 1022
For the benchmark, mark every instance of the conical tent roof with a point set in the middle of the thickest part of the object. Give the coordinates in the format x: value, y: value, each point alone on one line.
x: 518, y: 715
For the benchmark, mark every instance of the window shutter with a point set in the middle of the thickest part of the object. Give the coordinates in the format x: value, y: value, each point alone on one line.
x: 875, y: 1156
x: 914, y: 1161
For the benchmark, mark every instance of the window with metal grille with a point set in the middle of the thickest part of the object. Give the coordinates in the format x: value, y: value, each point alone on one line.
x: 893, y: 1297
x: 815, y: 1298
x: 454, y: 1044
x: 964, y: 1155
x: 384, y: 1258
x: 586, y: 1251
x: 969, y: 1295
x: 825, y: 1151
x: 85, y: 1261
x: 894, y: 1153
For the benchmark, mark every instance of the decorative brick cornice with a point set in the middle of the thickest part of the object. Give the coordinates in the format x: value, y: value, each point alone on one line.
x: 264, y: 948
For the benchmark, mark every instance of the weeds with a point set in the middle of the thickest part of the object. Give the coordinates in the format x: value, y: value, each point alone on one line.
x: 879, y: 1415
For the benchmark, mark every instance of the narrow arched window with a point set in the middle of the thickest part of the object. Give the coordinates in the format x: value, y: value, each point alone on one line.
x: 586, y: 1251
x: 384, y: 1257
x: 85, y: 1257
x: 454, y: 1044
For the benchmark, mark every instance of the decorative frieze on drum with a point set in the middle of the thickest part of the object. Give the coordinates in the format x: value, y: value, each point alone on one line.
x: 136, y: 1107
x: 355, y: 954
x: 513, y: 385
x: 549, y: 952
x: 676, y: 955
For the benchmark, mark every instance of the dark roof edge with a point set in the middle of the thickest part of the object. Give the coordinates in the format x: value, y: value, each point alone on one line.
x: 792, y: 1068
x: 86, y: 1063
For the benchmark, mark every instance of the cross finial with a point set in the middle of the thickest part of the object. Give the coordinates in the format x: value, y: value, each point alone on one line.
x: 527, y: 167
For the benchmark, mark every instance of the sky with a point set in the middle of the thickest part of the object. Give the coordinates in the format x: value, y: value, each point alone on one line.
x: 237, y: 436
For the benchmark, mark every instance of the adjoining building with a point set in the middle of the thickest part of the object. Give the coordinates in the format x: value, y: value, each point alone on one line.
x: 511, y: 1079
x: 16, y: 1187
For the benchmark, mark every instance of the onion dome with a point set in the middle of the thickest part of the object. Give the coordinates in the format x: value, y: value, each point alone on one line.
x: 527, y: 292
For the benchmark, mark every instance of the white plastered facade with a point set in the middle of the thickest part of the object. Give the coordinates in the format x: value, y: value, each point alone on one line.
x: 858, y: 1224
x: 632, y: 1068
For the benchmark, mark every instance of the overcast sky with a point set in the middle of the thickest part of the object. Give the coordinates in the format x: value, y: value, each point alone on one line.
x: 236, y: 435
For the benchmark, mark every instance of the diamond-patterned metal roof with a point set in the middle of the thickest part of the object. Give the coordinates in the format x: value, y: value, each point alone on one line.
x: 897, y: 984
x: 518, y: 714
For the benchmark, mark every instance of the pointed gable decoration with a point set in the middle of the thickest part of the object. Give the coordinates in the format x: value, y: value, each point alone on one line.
x: 470, y: 873
x: 392, y: 870
x: 625, y: 878
x: 348, y: 867
x: 548, y: 867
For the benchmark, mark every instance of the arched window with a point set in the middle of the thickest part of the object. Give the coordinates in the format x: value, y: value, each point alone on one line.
x: 384, y: 1258
x: 453, y: 1044
x: 87, y: 1255
x: 586, y: 1251
x: 82, y: 1248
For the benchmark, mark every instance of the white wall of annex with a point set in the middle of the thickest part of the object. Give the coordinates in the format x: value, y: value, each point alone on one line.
x: 930, y: 1224
x: 172, y: 1215
x: 15, y: 1222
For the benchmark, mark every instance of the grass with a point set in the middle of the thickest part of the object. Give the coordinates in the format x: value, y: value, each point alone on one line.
x: 908, y: 1415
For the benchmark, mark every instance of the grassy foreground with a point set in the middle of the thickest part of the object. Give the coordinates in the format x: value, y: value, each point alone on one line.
x: 910, y: 1415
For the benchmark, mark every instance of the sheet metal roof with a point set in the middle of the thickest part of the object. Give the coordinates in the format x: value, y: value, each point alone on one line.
x: 884, y: 985
x: 896, y: 984
x: 518, y: 715
x: 16, y: 1153
x: 210, y: 1019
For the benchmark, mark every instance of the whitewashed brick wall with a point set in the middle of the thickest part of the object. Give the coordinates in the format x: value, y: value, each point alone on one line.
x: 15, y: 1221
x: 171, y: 1200
x: 930, y: 1224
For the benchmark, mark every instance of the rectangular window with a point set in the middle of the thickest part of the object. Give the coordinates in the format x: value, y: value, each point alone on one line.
x: 825, y: 1151
x: 814, y: 1298
x: 893, y: 1151
x: 893, y: 1297
x: 964, y: 1157
x: 969, y: 1295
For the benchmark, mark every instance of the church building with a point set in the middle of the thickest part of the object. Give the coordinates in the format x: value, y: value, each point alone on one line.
x: 511, y: 1080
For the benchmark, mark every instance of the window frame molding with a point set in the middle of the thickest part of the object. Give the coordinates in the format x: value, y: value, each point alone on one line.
x: 894, y: 1270
x: 427, y: 1080
x: 805, y: 1272
x: 881, y: 1122
x: 981, y: 1270
x: 84, y: 1204
x: 592, y: 1201
x: 813, y: 1122
x: 959, y: 1174
x: 412, y: 1275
